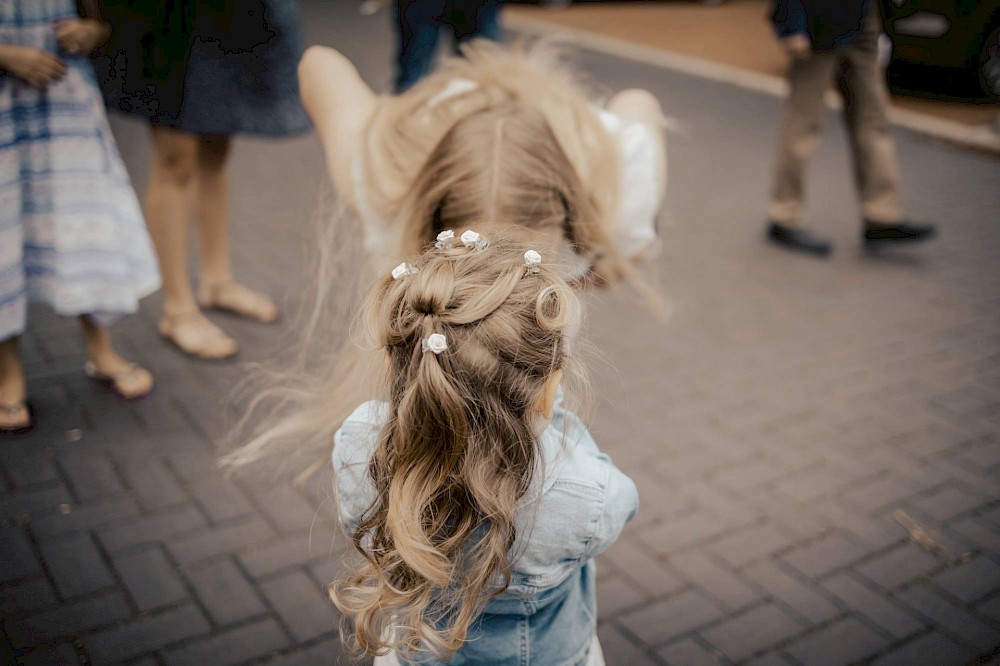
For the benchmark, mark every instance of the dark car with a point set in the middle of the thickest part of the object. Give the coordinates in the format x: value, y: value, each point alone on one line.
x: 957, y: 40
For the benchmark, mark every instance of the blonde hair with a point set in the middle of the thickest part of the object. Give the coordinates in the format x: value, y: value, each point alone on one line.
x: 459, y: 449
x: 517, y: 144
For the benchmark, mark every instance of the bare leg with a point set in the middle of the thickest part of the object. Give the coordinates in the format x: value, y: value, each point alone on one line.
x: 169, y: 200
x: 13, y: 413
x: 218, y: 288
x: 128, y: 379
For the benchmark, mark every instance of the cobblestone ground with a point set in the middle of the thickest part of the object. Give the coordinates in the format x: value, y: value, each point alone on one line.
x: 785, y: 427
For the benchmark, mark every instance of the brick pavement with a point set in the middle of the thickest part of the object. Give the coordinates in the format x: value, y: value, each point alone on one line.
x: 773, y: 426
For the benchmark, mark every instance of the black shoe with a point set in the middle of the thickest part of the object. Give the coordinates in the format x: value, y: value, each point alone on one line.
x: 799, y: 240
x: 877, y: 233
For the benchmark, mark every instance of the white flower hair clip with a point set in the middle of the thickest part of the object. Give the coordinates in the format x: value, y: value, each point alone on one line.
x: 404, y: 270
x: 472, y: 240
x: 435, y: 342
x: 445, y: 240
x: 531, y: 262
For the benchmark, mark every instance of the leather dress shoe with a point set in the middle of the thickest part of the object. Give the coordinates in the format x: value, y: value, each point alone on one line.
x: 877, y: 232
x: 799, y: 240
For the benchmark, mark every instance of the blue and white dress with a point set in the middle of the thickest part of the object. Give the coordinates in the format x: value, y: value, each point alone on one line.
x: 72, y: 234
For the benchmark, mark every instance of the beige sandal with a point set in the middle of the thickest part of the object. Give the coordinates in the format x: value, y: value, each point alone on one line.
x: 238, y: 299
x: 132, y: 383
x: 195, y: 335
x: 17, y: 426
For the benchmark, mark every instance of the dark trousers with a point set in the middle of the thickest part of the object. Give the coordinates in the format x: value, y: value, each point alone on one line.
x: 418, y: 28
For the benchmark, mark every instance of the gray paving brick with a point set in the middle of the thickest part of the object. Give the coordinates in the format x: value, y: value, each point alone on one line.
x: 751, y: 543
x: 976, y: 533
x: 220, y: 498
x: 25, y: 596
x: 304, y: 607
x: 741, y: 636
x: 233, y: 646
x: 153, y: 484
x: 842, y: 642
x: 681, y: 533
x: 33, y: 501
x: 950, y: 619
x: 170, y: 523
x: 619, y: 649
x: 326, y: 653
x: 671, y: 617
x: 878, y: 608
x: 688, y: 652
x: 932, y: 648
x: 225, y: 593
x: 150, y: 578
x: 216, y: 540
x: 76, y: 566
x: 615, y: 595
x: 947, y: 503
x: 289, y: 552
x: 824, y: 555
x: 50, y: 656
x: 79, y: 517
x: 900, y: 565
x: 287, y: 509
x: 970, y: 581
x: 90, y: 474
x: 715, y: 579
x: 17, y: 558
x: 146, y: 635
x: 641, y: 568
x: 805, y: 599
x: 26, y: 464
x: 69, y: 619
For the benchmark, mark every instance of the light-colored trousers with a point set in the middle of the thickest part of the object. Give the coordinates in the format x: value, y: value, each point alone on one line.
x: 595, y: 658
x: 861, y: 82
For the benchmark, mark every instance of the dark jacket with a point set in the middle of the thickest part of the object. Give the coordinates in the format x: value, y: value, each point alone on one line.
x: 830, y: 24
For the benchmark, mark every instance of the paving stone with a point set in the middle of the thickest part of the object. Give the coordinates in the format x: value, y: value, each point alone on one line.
x: 947, y: 503
x: 688, y: 652
x: 932, y: 648
x: 225, y: 593
x: 17, y: 558
x: 741, y: 636
x: 327, y: 653
x: 90, y: 474
x: 50, y: 656
x: 287, y: 509
x: 146, y: 635
x: 34, y: 501
x: 212, y: 541
x: 154, y: 485
x: 233, y: 646
x: 681, y: 533
x: 970, y: 581
x: 670, y: 618
x: 220, y: 498
x: 619, y: 649
x: 25, y: 596
x: 636, y: 564
x: 68, y: 619
x: 26, y: 464
x: 615, y: 595
x: 842, y: 642
x: 878, y: 608
x: 76, y: 566
x: 291, y: 551
x: 79, y: 517
x: 900, y: 565
x: 792, y: 591
x: 150, y: 529
x: 824, y: 555
x: 150, y: 578
x: 950, y: 619
x: 716, y: 580
x: 304, y: 607
x: 751, y: 543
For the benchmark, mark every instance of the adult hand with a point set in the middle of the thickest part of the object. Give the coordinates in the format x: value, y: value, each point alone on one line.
x: 797, y: 46
x: 81, y: 36
x: 36, y: 67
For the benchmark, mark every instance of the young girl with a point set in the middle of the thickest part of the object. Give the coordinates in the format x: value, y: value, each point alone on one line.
x: 496, y: 135
x: 71, y: 231
x: 475, y: 499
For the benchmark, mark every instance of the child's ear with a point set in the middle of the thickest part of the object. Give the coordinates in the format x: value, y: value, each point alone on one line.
x: 548, y: 397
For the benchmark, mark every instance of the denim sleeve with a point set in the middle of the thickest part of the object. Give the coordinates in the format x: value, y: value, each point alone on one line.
x: 353, y: 445
x: 621, y: 502
x: 789, y: 18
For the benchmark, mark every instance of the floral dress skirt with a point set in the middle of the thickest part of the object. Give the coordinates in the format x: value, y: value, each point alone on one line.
x: 72, y: 234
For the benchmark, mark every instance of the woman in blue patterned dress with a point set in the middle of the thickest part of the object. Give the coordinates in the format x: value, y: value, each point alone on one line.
x: 71, y: 231
x: 202, y: 71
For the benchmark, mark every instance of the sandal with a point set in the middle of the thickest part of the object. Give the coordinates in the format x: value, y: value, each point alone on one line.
x: 195, y: 335
x: 238, y: 299
x: 11, y: 412
x: 133, y: 383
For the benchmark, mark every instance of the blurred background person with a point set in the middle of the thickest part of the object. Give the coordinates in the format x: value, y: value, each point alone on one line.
x: 202, y: 72
x: 831, y: 40
x: 71, y: 229
x: 418, y: 25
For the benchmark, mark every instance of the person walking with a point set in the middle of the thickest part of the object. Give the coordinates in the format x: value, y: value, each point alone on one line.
x: 831, y: 40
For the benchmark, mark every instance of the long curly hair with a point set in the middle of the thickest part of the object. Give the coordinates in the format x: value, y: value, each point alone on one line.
x: 459, y: 449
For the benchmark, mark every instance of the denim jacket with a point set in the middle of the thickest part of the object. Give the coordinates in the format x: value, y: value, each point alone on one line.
x: 575, y: 508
